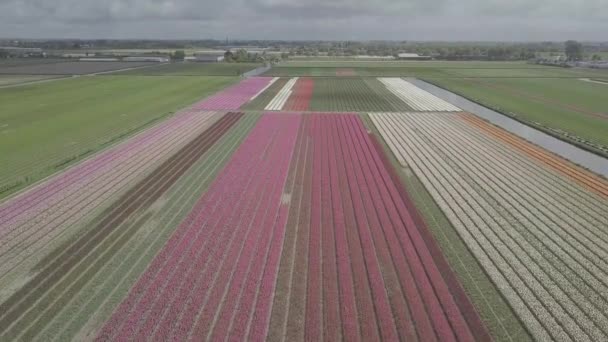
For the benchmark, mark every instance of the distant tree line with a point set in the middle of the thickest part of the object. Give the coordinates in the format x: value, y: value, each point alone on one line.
x: 242, y: 56
x: 238, y: 48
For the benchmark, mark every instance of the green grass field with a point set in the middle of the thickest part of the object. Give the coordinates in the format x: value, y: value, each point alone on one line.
x: 354, y: 95
x: 45, y: 127
x: 195, y: 69
x: 578, y: 108
x: 430, y: 69
x: 406, y: 64
x: 6, y: 80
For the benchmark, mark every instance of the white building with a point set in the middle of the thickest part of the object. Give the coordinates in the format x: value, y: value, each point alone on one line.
x: 159, y: 59
x: 209, y: 56
x: 413, y: 57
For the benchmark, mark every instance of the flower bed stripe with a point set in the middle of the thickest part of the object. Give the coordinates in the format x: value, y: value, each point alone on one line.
x: 282, y: 96
x: 548, y: 263
x: 415, y: 97
x: 301, y: 96
x: 265, y: 153
x: 234, y: 97
x: 583, y: 177
x: 94, y: 243
x: 388, y: 285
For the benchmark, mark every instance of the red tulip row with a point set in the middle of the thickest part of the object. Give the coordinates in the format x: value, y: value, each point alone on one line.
x: 301, y: 96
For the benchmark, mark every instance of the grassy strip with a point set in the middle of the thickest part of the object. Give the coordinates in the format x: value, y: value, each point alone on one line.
x: 194, y: 69
x: 48, y: 126
x: 588, y: 133
x: 332, y: 71
x: 91, y: 306
x: 7, y: 80
x: 498, y: 316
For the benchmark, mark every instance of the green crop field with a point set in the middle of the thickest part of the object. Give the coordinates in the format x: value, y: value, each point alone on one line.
x: 575, y: 108
x: 45, y: 127
x: 195, y: 69
x: 330, y: 71
x: 428, y: 69
x: 407, y: 64
x: 354, y: 95
x: 6, y: 80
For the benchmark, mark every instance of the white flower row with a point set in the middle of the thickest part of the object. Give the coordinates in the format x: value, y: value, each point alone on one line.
x: 282, y: 96
x: 490, y: 225
x: 484, y: 190
x: 274, y: 79
x: 497, y: 269
x: 505, y: 198
x: 566, y: 203
x: 415, y: 97
x: 568, y: 190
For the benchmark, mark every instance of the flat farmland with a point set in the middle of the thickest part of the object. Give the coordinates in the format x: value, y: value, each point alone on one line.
x: 46, y: 127
x: 6, y: 80
x: 292, y: 208
x: 430, y: 69
x: 407, y: 64
x: 348, y: 94
x: 8, y: 63
x: 572, y: 109
x: 195, y: 69
x: 331, y: 71
x: 532, y: 220
x: 70, y: 68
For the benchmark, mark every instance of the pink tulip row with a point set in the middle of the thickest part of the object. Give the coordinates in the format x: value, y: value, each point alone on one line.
x: 73, y: 203
x: 369, y: 273
x: 223, y: 259
x: 28, y: 201
x: 236, y: 96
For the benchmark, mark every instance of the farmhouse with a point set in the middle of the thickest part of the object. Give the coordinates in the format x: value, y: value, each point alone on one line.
x: 413, y: 57
x: 209, y: 56
x: 158, y: 59
x: 22, y: 52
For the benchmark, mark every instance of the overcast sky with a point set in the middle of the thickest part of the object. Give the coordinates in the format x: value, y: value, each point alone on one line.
x: 507, y: 20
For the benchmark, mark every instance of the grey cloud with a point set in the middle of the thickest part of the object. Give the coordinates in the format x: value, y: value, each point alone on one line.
x: 311, y: 19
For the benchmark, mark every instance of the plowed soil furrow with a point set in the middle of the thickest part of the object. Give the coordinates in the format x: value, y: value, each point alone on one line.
x: 58, y: 264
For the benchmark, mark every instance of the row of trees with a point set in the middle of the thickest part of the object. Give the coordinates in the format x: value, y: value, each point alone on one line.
x: 242, y: 56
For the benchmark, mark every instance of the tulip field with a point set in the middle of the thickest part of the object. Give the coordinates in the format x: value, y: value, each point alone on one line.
x: 535, y: 223
x: 309, y: 209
